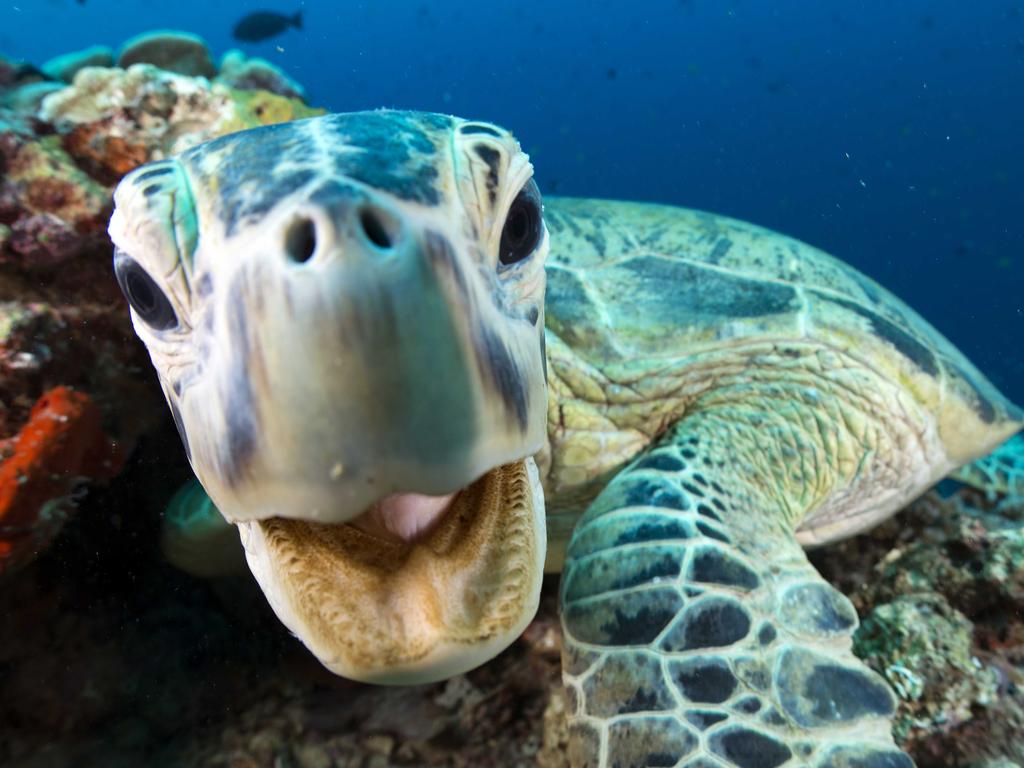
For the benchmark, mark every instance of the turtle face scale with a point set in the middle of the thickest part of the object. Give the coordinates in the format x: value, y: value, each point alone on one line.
x: 346, y: 316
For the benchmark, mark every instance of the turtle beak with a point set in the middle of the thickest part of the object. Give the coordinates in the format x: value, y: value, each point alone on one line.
x: 368, y: 420
x: 373, y: 360
x: 359, y: 386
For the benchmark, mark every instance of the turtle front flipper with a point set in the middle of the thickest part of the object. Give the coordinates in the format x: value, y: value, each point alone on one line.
x: 196, y: 538
x: 696, y: 632
x: 1001, y: 471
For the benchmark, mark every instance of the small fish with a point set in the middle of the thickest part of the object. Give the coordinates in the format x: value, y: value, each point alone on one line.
x: 265, y: 24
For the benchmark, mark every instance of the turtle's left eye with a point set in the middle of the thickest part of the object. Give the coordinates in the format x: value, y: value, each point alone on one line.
x: 145, y: 296
x: 524, y: 226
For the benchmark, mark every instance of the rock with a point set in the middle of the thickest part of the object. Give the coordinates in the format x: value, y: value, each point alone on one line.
x: 25, y: 99
x: 312, y: 756
x: 555, y: 744
x: 54, y: 213
x: 15, y: 73
x: 171, y: 50
x: 8, y: 73
x: 22, y: 88
x: 923, y: 647
x: 45, y: 195
x: 66, y: 66
x: 245, y: 74
x: 44, y: 240
x: 941, y: 592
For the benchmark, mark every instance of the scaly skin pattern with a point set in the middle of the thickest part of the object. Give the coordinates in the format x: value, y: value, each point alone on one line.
x: 720, y: 395
x: 648, y: 306
x: 223, y: 225
x: 696, y: 632
x: 337, y: 320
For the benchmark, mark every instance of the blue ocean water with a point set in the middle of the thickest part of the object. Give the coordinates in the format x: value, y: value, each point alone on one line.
x: 890, y: 134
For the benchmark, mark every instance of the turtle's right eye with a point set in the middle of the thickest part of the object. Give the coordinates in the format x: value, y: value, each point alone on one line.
x: 524, y: 226
x: 149, y: 302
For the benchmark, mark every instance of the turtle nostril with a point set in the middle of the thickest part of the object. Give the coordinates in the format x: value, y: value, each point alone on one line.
x: 300, y: 240
x: 377, y: 226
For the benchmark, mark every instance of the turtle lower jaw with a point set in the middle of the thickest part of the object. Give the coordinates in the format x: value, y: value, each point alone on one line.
x: 420, y: 589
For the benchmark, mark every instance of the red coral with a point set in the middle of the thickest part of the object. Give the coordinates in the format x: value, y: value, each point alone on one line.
x: 62, y: 444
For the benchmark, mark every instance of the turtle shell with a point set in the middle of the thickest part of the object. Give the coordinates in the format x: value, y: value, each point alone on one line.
x: 634, y: 286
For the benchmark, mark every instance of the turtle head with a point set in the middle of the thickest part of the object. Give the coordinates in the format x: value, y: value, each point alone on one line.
x: 346, y: 316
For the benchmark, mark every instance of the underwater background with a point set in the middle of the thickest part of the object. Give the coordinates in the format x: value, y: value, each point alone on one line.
x: 888, y: 134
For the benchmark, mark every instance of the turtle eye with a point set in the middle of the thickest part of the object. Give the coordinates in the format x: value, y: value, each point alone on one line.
x: 149, y: 302
x: 523, y: 226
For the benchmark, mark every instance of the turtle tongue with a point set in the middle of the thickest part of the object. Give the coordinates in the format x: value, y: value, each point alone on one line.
x: 403, y: 517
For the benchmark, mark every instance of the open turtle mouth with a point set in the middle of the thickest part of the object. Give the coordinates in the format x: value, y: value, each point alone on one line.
x: 416, y: 588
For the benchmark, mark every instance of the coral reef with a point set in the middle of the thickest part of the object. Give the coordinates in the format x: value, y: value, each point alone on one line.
x: 15, y: 74
x: 62, y: 441
x: 257, y: 74
x: 112, y: 120
x: 167, y: 670
x: 922, y: 645
x: 66, y: 66
x: 111, y: 656
x: 172, y: 51
x: 63, y: 322
x: 170, y: 670
x: 941, y: 592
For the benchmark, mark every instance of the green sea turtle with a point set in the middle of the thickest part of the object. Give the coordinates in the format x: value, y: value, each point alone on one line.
x: 347, y: 315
